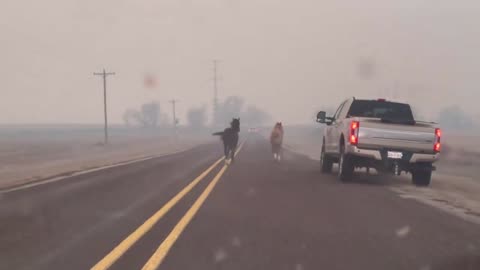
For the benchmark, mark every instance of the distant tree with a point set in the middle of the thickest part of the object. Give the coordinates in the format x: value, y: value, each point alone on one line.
x: 129, y: 117
x: 231, y: 107
x: 454, y: 117
x: 234, y: 106
x: 149, y: 115
x: 254, y: 116
x: 197, y: 117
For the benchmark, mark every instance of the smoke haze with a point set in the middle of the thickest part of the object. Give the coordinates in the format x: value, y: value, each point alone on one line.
x: 289, y: 58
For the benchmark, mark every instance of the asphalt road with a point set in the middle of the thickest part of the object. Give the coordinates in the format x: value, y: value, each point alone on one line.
x: 253, y: 214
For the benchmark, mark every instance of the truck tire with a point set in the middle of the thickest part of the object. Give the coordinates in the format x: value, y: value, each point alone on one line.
x: 421, y: 178
x: 345, y: 166
x: 326, y: 162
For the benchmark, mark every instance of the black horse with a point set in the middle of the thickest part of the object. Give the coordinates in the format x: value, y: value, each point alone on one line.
x: 230, y: 138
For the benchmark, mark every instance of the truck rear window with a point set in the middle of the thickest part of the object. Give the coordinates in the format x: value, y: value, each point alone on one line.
x: 387, y: 111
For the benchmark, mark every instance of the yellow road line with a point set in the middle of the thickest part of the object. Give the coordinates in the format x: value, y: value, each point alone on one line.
x: 119, y: 250
x: 157, y: 258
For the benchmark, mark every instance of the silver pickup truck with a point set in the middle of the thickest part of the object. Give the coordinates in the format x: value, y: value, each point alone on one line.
x: 379, y: 134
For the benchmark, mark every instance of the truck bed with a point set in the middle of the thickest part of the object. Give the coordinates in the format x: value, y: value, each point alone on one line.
x: 375, y: 134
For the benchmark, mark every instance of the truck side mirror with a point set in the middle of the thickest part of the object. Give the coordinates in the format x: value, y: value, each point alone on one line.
x: 321, y: 117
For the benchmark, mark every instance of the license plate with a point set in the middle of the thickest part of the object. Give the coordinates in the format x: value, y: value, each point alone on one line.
x: 394, y: 155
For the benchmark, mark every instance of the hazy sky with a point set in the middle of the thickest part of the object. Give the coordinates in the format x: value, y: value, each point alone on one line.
x: 289, y: 57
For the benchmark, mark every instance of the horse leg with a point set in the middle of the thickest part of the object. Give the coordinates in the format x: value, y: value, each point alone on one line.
x: 225, y: 150
x: 274, y: 151
x: 233, y: 150
x: 233, y: 146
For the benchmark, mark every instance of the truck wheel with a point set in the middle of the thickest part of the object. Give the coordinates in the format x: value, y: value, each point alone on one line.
x: 421, y: 178
x: 326, y: 162
x: 345, y: 167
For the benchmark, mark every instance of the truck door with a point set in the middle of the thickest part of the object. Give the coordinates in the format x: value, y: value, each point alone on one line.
x: 332, y: 137
x: 339, y: 124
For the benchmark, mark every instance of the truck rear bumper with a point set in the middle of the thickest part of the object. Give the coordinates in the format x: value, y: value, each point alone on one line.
x: 377, y: 155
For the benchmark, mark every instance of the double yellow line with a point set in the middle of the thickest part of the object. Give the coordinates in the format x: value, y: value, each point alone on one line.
x: 159, y: 255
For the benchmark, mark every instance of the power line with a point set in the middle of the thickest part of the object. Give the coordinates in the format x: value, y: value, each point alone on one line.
x: 104, y: 74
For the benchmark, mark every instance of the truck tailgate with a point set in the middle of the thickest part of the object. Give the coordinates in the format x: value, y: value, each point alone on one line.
x: 374, y: 134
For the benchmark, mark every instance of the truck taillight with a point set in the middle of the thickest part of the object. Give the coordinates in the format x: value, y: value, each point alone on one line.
x: 437, y: 146
x: 354, y: 127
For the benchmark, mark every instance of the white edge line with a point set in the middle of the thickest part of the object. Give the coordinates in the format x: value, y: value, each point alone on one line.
x: 77, y: 173
x: 459, y: 212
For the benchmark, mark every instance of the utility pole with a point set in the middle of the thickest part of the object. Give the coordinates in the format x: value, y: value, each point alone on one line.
x: 104, y: 74
x: 175, y: 121
x: 215, y: 93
